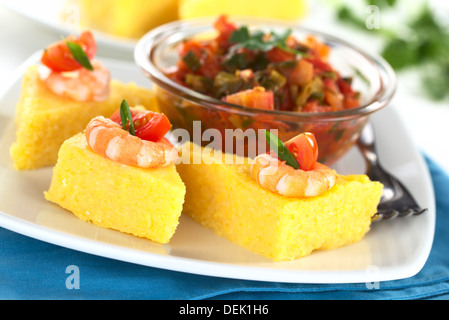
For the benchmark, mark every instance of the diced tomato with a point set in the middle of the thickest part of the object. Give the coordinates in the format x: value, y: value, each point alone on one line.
x: 256, y: 98
x: 210, y: 64
x: 190, y: 45
x: 177, y: 76
x: 206, y: 53
x: 148, y: 125
x: 351, y: 102
x: 350, y: 97
x: 292, y: 42
x: 332, y: 94
x: 318, y: 47
x: 314, y: 106
x: 305, y: 150
x: 278, y: 55
x: 58, y: 57
x: 87, y: 41
x: 345, y: 87
x: 283, y: 99
x: 319, y: 65
x: 302, y: 73
x: 225, y: 30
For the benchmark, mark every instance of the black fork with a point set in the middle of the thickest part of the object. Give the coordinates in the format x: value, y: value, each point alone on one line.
x: 396, y: 200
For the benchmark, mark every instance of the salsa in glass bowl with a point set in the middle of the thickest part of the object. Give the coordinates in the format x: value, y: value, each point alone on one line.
x: 242, y: 76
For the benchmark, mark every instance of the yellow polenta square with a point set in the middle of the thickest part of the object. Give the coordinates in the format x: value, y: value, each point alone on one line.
x: 225, y: 198
x: 127, y: 18
x: 143, y: 202
x: 45, y: 120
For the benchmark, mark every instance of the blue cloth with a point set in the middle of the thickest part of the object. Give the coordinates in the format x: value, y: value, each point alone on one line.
x: 32, y: 269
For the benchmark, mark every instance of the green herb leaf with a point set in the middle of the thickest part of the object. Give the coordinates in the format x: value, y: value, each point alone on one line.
x: 280, y: 41
x: 281, y: 150
x: 79, y: 55
x: 126, y: 117
x: 192, y: 61
x: 401, y: 53
x: 240, y: 35
x: 234, y: 61
x: 257, y: 40
x: 381, y: 3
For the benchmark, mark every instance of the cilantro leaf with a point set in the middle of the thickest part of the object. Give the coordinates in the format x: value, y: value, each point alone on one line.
x: 240, y: 35
x: 257, y: 40
x: 79, y: 55
x: 281, y: 150
x: 126, y: 117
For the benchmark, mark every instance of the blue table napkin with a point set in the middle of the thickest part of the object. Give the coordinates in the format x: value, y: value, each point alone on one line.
x: 32, y: 269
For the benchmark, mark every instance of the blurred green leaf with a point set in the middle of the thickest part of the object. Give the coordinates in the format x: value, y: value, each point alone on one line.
x: 346, y: 15
x: 424, y: 45
x: 257, y: 41
x: 400, y: 53
x: 436, y: 84
x: 381, y: 3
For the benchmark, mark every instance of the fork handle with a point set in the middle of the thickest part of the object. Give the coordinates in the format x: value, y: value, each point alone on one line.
x: 366, y: 144
x: 369, y: 153
x: 374, y: 170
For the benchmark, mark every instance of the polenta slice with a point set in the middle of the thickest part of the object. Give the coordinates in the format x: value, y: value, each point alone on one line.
x: 143, y: 202
x: 286, y: 9
x: 127, y: 18
x: 45, y: 120
x: 222, y: 195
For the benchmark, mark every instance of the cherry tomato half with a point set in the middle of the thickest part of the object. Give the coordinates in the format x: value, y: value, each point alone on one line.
x: 148, y: 125
x: 305, y: 149
x: 58, y: 57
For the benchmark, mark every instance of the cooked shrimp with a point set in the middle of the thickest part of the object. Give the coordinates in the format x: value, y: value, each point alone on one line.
x: 108, y: 139
x: 79, y: 85
x: 278, y: 177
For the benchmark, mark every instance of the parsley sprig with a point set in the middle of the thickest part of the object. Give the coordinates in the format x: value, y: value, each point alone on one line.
x: 281, y: 150
x: 258, y: 40
x: 79, y: 55
x: 126, y: 117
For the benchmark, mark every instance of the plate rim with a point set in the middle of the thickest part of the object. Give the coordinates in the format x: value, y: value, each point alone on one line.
x: 189, y: 265
x: 217, y: 269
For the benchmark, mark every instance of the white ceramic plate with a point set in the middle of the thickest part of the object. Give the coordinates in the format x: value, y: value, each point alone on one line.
x: 391, y: 250
x: 64, y: 17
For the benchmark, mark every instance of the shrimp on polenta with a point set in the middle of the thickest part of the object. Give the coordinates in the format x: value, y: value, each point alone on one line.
x: 142, y: 146
x: 304, y: 177
x: 69, y: 71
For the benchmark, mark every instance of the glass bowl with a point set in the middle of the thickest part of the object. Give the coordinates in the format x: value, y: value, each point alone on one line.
x: 203, y: 119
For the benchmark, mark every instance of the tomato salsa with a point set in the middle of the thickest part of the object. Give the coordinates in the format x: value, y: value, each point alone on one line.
x: 261, y: 70
x: 255, y: 69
